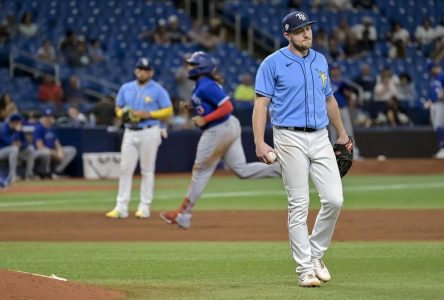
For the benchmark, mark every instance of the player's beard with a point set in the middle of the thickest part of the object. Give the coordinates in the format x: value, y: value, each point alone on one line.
x: 302, y: 46
x: 141, y: 81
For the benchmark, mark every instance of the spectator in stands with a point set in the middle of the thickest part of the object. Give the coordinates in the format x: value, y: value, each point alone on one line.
x: 52, y: 157
x: 396, y: 115
x: 352, y: 48
x: 365, y: 33
x: 8, y: 29
x: 386, y: 85
x: 104, y: 112
x: 244, y: 92
x: 181, y: 118
x: 334, y: 5
x: 294, y: 4
x: 406, y: 88
x: 367, y: 81
x: 424, y: 35
x: 184, y: 85
x: 27, y: 28
x: 399, y: 38
x: 47, y: 52
x: 385, y: 89
x: 439, y: 29
x: 161, y: 34
x: 79, y: 57
x: 7, y: 106
x: 13, y: 141
x: 177, y: 33
x: 210, y: 36
x: 76, y: 118
x: 68, y: 44
x: 72, y: 92
x: 320, y: 42
x: 336, y: 52
x: 365, y: 4
x: 437, y: 53
x: 50, y: 91
x: 340, y: 32
x: 438, y: 50
x: 95, y: 51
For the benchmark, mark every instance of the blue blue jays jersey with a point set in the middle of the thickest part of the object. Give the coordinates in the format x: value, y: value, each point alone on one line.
x: 149, y: 97
x: 436, y: 90
x: 47, y: 135
x: 297, y: 86
x: 338, y: 88
x: 207, y: 96
x: 9, y: 136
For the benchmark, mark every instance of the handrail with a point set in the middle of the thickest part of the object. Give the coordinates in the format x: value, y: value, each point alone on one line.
x: 102, y: 82
x: 13, y: 64
x: 35, y: 71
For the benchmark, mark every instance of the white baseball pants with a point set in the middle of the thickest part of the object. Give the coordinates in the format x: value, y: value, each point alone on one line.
x: 302, y: 156
x: 137, y: 144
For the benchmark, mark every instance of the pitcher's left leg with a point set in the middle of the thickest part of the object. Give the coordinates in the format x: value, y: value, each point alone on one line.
x: 325, y: 175
x: 148, y: 153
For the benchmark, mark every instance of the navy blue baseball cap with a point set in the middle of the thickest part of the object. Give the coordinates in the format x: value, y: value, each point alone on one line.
x: 295, y: 20
x: 335, y: 65
x: 15, y: 117
x: 144, y: 64
x: 48, y: 112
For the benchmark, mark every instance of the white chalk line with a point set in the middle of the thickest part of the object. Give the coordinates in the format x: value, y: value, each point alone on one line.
x: 52, y: 276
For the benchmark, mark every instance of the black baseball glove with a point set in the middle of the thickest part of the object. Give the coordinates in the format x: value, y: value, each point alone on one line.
x: 344, y: 156
x: 128, y: 116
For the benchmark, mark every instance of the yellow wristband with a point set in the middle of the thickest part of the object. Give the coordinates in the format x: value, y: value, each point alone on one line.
x: 162, y: 113
x: 119, y: 112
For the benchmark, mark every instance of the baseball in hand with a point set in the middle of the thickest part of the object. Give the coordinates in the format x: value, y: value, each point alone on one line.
x: 272, y: 156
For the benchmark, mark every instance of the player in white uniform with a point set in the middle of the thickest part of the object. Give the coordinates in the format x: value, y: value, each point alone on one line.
x: 221, y: 138
x: 294, y: 82
x: 149, y: 103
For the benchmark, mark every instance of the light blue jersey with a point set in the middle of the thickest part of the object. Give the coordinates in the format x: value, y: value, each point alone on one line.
x: 149, y: 97
x: 298, y: 88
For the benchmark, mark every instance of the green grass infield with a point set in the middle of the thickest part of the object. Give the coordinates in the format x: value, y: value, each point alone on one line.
x: 236, y: 270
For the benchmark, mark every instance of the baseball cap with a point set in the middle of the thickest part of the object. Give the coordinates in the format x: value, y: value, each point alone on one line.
x: 144, y: 64
x: 432, y: 64
x: 47, y: 112
x: 295, y: 20
x: 335, y: 65
x: 15, y: 117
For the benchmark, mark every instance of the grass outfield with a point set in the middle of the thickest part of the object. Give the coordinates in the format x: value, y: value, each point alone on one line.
x: 236, y: 270
x: 242, y: 270
x: 227, y: 193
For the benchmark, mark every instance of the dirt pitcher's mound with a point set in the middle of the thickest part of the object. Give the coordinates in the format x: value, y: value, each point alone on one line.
x: 18, y: 285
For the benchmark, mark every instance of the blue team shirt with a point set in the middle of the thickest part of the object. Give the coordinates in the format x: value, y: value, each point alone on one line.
x: 338, y: 88
x: 9, y: 136
x: 207, y: 96
x: 47, y: 135
x: 149, y: 97
x: 297, y: 86
x: 436, y: 90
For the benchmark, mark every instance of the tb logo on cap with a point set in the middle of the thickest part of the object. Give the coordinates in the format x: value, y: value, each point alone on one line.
x: 301, y: 16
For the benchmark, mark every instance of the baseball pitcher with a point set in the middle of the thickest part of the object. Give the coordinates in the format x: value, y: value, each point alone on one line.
x: 141, y: 104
